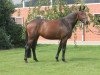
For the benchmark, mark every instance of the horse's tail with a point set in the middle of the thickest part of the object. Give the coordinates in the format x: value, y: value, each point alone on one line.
x: 39, y: 22
x: 28, y: 51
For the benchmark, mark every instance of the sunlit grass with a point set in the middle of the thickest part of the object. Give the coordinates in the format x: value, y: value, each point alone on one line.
x: 83, y: 60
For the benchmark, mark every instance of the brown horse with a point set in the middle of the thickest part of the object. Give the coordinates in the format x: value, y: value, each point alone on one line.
x: 52, y: 29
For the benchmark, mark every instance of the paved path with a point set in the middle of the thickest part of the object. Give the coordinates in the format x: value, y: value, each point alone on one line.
x: 69, y: 42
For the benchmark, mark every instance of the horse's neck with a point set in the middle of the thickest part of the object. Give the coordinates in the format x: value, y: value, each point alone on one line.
x: 71, y: 19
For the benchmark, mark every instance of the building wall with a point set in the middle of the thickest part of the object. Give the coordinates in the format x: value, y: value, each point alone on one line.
x: 94, y: 8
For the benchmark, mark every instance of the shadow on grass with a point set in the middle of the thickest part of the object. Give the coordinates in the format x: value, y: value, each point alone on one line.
x: 67, y: 61
x: 84, y: 59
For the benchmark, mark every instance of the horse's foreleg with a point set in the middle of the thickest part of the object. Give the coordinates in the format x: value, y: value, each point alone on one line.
x: 63, y: 50
x: 59, y: 49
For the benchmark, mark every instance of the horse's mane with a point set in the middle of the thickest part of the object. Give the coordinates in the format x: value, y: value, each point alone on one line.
x: 70, y: 16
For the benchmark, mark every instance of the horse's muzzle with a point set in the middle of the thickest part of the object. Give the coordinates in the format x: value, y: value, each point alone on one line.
x: 86, y: 22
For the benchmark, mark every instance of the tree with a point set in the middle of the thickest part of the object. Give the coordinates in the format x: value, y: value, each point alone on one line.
x: 10, y: 28
x: 6, y: 9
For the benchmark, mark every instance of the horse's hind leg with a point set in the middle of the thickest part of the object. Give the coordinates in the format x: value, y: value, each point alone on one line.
x: 28, y: 50
x: 34, y: 48
x: 27, y: 53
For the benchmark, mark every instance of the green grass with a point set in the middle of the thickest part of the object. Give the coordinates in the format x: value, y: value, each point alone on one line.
x: 83, y: 60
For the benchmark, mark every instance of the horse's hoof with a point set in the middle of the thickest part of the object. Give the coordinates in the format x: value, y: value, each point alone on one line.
x: 36, y: 60
x: 63, y: 60
x: 57, y: 59
x: 26, y: 61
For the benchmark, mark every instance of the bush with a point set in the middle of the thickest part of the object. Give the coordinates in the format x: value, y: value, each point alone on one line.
x: 12, y: 33
x: 4, y: 40
x: 15, y: 31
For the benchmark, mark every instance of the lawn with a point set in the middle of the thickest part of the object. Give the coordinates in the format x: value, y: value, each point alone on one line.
x: 83, y: 60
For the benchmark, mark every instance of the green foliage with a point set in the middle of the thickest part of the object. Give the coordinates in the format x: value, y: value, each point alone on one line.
x: 4, y: 40
x: 13, y: 30
x: 6, y: 9
x: 42, y: 3
x: 91, y: 17
x: 97, y: 19
x: 57, y: 11
x: 18, y: 5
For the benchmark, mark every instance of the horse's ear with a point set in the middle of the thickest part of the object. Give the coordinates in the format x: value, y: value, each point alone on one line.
x: 82, y: 8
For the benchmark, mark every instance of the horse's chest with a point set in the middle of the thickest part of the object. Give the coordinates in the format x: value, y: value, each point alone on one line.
x: 65, y: 33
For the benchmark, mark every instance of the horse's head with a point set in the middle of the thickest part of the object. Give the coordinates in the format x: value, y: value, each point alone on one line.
x: 82, y: 16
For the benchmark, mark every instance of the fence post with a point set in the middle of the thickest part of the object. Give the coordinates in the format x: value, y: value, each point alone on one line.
x: 23, y: 3
x: 51, y: 3
x: 83, y: 32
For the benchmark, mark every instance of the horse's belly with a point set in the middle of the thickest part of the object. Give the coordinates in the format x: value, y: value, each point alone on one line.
x: 51, y: 36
